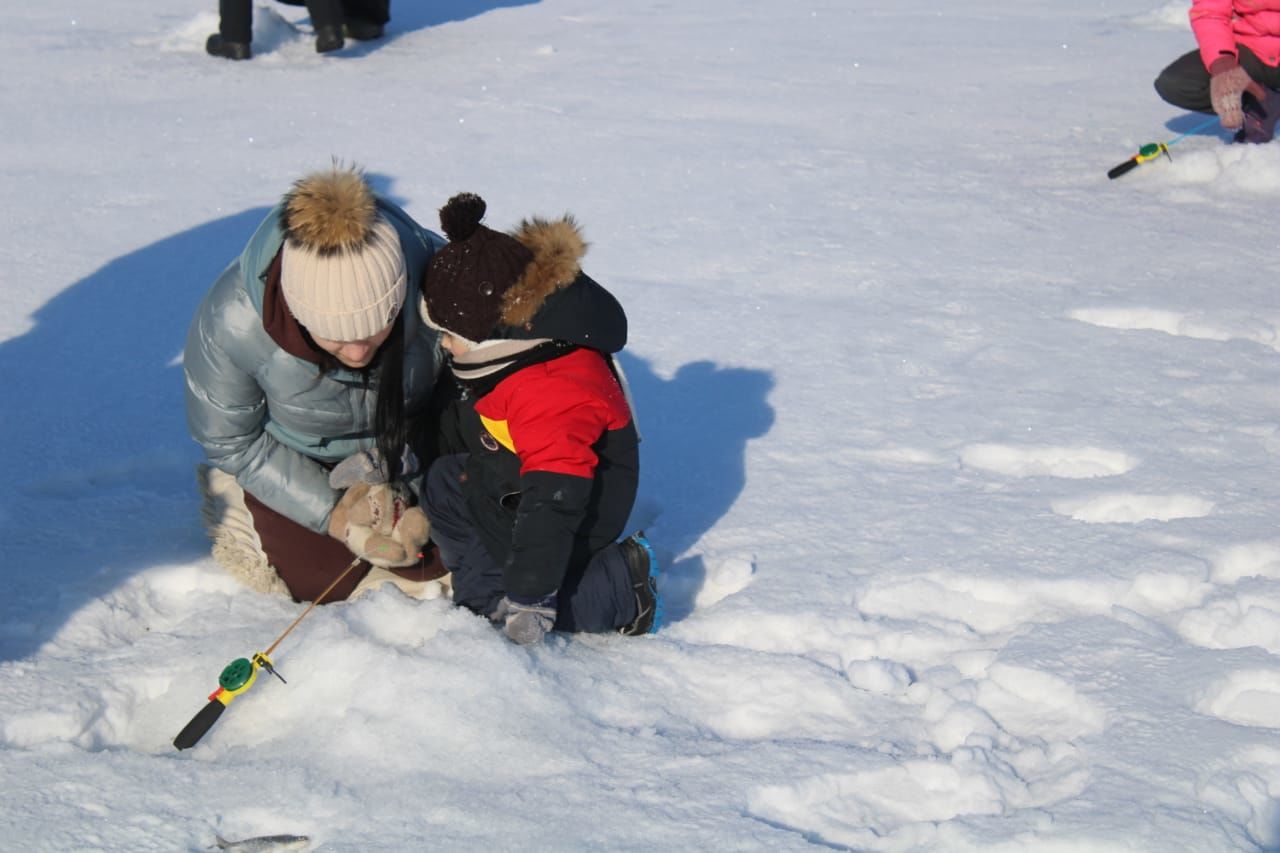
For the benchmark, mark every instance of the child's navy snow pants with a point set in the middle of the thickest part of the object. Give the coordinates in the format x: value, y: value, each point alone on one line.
x: 595, y: 597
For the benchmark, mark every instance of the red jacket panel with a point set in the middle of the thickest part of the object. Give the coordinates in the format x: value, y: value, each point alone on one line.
x: 551, y: 414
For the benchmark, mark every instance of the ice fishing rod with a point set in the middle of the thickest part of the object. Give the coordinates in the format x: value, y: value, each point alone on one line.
x: 238, y: 676
x: 1152, y: 150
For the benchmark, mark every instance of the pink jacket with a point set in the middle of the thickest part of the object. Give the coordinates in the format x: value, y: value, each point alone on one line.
x: 1220, y: 25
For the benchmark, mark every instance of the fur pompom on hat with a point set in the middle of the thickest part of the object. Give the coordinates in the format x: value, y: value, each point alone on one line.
x: 342, y: 270
x: 466, y: 281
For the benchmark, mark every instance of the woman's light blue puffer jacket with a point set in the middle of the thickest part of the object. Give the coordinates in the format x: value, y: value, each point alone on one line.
x: 269, y: 418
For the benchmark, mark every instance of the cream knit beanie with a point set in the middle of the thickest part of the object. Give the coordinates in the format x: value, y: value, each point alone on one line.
x: 342, y: 269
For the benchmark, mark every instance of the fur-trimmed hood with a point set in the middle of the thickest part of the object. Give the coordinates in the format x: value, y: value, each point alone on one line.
x: 557, y: 247
x: 554, y: 298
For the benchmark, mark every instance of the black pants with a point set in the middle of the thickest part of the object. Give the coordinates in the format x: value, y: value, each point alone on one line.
x: 1185, y: 83
x: 594, y: 598
x: 237, y: 15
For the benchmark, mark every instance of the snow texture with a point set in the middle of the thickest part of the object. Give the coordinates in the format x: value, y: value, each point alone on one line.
x: 961, y: 459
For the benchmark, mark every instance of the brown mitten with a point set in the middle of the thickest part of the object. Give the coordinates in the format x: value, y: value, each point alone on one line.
x: 1227, y: 84
x: 375, y: 521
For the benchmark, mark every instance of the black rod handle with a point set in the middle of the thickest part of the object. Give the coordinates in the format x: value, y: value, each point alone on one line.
x: 1125, y: 167
x: 199, y: 724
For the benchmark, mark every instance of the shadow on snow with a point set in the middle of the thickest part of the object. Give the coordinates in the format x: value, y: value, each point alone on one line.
x: 102, y: 480
x: 695, y: 427
x: 407, y: 17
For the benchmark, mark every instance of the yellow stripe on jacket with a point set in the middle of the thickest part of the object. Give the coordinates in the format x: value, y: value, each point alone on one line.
x: 499, y: 430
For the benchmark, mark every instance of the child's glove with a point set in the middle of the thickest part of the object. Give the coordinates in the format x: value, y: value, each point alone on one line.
x: 375, y: 521
x: 525, y: 620
x: 367, y: 466
x: 1227, y: 84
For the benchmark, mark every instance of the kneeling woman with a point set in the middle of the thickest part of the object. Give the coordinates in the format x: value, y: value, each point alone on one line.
x: 301, y: 356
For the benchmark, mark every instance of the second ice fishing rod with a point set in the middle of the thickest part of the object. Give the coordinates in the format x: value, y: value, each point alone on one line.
x: 1152, y: 150
x: 238, y: 676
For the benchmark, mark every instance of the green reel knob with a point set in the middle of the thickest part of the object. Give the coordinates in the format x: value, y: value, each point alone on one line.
x: 237, y: 674
x: 1151, y: 149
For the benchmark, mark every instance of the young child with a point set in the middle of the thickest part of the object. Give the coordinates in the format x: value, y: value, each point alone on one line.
x: 1235, y: 69
x: 529, y: 517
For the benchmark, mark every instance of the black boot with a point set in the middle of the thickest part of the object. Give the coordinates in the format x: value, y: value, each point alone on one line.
x: 328, y: 38
x: 218, y: 46
x: 1259, y: 117
x: 642, y: 565
x: 362, y: 30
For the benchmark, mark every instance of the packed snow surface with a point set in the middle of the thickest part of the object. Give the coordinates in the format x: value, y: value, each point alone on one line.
x: 961, y: 459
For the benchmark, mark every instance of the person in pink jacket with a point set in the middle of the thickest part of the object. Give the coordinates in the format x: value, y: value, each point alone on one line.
x: 1235, y: 70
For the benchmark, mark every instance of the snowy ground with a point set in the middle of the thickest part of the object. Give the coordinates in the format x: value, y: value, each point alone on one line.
x: 962, y: 458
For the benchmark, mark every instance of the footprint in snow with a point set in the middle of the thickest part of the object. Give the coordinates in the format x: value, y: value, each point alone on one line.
x: 726, y: 577
x: 1235, y: 620
x: 1248, y: 560
x: 1170, y: 16
x: 1035, y: 704
x: 1081, y: 463
x: 1245, y: 611
x: 1129, y: 508
x: 1222, y: 327
x: 1248, y: 697
x: 1071, y: 463
x: 900, y: 806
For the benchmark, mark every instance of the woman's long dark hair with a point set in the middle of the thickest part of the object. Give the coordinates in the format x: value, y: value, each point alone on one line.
x: 390, y: 420
x: 391, y: 426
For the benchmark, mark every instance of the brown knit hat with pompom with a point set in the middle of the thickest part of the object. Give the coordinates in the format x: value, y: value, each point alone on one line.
x: 464, y: 284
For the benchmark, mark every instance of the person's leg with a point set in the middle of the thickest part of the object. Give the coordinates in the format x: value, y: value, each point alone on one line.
x: 305, y: 560
x: 371, y: 11
x: 326, y: 18
x: 477, y: 578
x: 269, y: 553
x: 1185, y: 84
x: 1260, y: 115
x: 325, y: 13
x: 1267, y: 75
x: 235, y: 20
x: 598, y: 598
x: 235, y: 30
x: 236, y: 546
